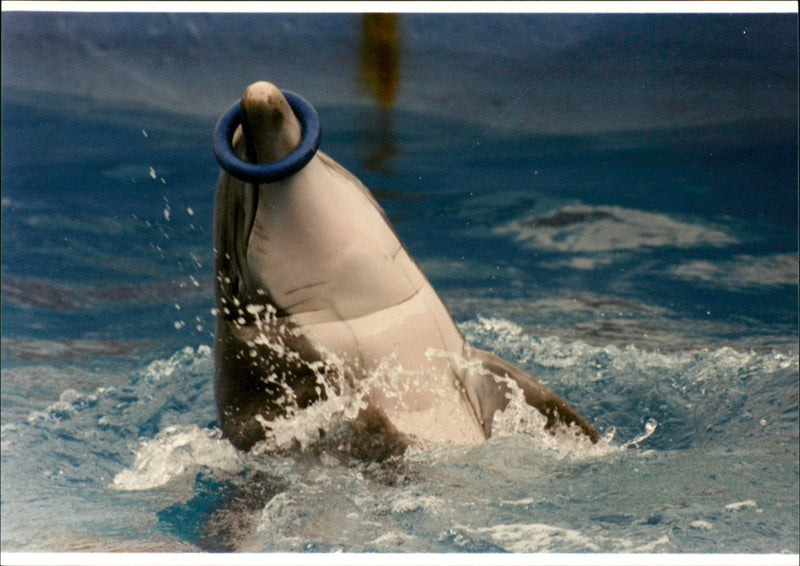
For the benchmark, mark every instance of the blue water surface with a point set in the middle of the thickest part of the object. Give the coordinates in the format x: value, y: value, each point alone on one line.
x: 648, y: 275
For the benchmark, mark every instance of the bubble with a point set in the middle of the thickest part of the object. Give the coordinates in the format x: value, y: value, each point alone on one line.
x: 69, y: 396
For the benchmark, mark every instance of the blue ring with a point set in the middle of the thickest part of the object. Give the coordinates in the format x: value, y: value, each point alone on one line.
x: 277, y: 170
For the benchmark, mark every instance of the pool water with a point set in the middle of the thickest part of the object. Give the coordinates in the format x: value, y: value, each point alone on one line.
x: 647, y: 276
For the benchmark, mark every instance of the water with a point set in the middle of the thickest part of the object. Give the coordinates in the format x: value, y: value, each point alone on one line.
x: 649, y: 277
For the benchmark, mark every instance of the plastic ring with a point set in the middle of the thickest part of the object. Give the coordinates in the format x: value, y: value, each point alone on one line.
x: 277, y: 170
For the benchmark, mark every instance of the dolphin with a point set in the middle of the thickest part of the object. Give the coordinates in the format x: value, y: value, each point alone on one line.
x: 314, y: 287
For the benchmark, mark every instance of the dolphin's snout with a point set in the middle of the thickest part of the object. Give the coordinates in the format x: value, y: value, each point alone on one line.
x: 267, y: 135
x: 271, y: 129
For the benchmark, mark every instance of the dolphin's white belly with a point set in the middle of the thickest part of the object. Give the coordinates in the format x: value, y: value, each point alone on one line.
x: 406, y: 353
x: 350, y: 286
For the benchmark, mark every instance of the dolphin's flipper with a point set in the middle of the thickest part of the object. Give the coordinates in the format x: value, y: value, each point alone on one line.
x: 492, y: 395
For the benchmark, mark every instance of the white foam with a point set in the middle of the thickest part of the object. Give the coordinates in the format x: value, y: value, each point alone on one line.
x: 70, y: 403
x: 409, y: 503
x: 649, y: 428
x: 651, y: 546
x: 703, y: 525
x: 537, y: 537
x: 739, y: 505
x: 188, y: 356
x: 173, y: 451
x: 277, y: 512
x: 695, y: 375
x: 302, y: 426
x: 555, y: 353
x: 68, y: 396
x: 541, y: 537
x: 741, y: 272
x: 392, y: 539
x: 608, y: 229
x: 521, y: 419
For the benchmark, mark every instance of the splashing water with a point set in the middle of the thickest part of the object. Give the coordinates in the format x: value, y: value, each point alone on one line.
x: 649, y: 429
x: 172, y: 452
x: 105, y: 378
